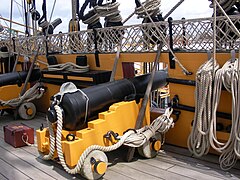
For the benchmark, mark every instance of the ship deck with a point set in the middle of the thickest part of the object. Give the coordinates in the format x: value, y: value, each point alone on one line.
x: 171, y: 163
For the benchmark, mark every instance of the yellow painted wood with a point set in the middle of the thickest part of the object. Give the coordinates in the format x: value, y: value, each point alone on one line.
x: 120, y: 117
x: 10, y: 92
x: 156, y: 145
x: 191, y: 61
x: 53, y: 76
x: 80, y: 78
x: 100, y: 167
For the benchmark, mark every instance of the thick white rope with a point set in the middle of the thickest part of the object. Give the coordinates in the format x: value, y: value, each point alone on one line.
x: 109, y: 11
x: 198, y: 140
x: 130, y: 138
x: 69, y: 66
x: 223, y: 76
x: 92, y: 19
x: 31, y: 94
x: 229, y: 76
x: 152, y: 7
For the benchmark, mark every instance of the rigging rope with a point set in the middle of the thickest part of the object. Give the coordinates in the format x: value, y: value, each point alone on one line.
x: 160, y: 33
x: 198, y: 140
x: 204, y: 130
x: 49, y: 23
x: 152, y: 7
x: 91, y: 17
x: 229, y: 76
x: 109, y: 11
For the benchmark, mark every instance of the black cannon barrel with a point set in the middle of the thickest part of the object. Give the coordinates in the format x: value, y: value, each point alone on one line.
x: 101, y: 97
x: 18, y: 77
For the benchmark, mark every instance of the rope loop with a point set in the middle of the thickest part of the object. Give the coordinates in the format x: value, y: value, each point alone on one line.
x: 130, y: 138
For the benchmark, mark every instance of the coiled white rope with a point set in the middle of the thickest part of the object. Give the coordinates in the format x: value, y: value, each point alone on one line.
x: 152, y: 7
x: 162, y: 124
x: 109, y: 11
x: 162, y: 38
x: 198, y: 140
x: 34, y: 92
x: 69, y: 66
x: 92, y: 19
x: 229, y: 76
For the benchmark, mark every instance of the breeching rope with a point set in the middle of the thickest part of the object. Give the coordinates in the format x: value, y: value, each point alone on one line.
x: 198, y: 140
x: 34, y: 92
x: 131, y: 138
x: 69, y: 66
x: 229, y: 76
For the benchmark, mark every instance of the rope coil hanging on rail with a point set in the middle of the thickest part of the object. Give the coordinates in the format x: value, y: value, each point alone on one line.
x: 110, y: 11
x: 229, y: 76
x: 152, y: 7
x: 204, y: 130
x: 198, y: 141
x: 92, y: 19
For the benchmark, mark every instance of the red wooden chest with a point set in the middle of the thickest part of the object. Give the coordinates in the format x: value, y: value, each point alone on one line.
x: 18, y: 135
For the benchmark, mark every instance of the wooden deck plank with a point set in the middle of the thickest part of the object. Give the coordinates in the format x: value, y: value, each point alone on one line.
x: 10, y: 172
x: 154, y: 171
x: 206, y: 168
x: 156, y: 163
x: 49, y: 167
x: 23, y: 164
x: 111, y: 174
x: 2, y: 177
x: 191, y: 173
x: 45, y: 166
x: 131, y: 172
x: 174, y: 163
x: 211, y: 158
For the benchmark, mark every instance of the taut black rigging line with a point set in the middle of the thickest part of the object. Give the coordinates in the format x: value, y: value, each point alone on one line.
x: 34, y: 12
x: 78, y: 7
x: 44, y: 16
x: 48, y: 27
x: 26, y: 18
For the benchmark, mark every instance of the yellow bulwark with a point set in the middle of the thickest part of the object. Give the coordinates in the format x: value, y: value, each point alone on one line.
x: 9, y: 92
x: 119, y: 118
